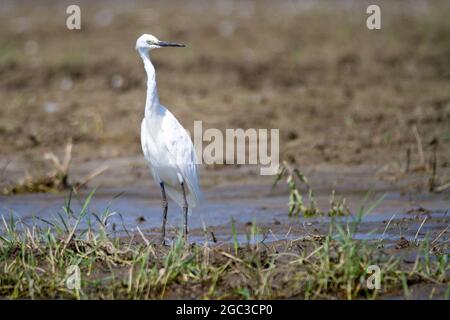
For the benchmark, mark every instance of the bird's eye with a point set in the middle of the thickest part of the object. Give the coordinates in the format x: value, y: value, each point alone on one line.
x: 149, y: 42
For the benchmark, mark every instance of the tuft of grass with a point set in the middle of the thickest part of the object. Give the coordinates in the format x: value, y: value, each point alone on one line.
x: 294, y: 179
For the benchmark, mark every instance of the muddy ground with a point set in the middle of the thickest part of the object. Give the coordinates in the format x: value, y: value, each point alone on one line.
x: 338, y: 92
x: 351, y: 105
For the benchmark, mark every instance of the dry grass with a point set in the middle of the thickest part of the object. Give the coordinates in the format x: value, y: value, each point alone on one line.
x: 55, y: 181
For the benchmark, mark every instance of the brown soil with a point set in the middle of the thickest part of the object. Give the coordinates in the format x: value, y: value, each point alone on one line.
x: 340, y: 93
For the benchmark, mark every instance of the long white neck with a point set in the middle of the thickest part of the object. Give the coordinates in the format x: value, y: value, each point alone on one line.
x: 152, y: 102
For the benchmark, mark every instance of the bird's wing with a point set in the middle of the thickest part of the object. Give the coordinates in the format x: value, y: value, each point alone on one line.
x: 181, y: 148
x: 148, y: 148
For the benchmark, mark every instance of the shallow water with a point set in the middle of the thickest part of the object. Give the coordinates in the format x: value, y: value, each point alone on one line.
x: 133, y: 207
x: 245, y: 205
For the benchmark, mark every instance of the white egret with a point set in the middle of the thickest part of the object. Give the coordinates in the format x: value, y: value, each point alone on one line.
x: 167, y: 147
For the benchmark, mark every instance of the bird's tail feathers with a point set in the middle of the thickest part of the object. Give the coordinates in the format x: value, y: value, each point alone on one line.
x: 177, y: 196
x: 195, y: 192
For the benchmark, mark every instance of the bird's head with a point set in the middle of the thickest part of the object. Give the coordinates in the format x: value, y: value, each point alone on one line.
x: 149, y: 42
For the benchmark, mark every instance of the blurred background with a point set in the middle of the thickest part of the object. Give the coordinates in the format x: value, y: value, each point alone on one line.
x: 341, y: 95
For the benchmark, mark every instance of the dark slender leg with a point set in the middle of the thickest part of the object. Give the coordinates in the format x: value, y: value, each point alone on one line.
x: 165, y: 206
x: 185, y: 211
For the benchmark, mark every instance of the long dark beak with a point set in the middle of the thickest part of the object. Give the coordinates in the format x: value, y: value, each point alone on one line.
x: 170, y: 44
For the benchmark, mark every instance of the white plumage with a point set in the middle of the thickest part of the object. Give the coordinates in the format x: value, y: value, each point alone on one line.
x: 171, y: 157
x: 166, y: 145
